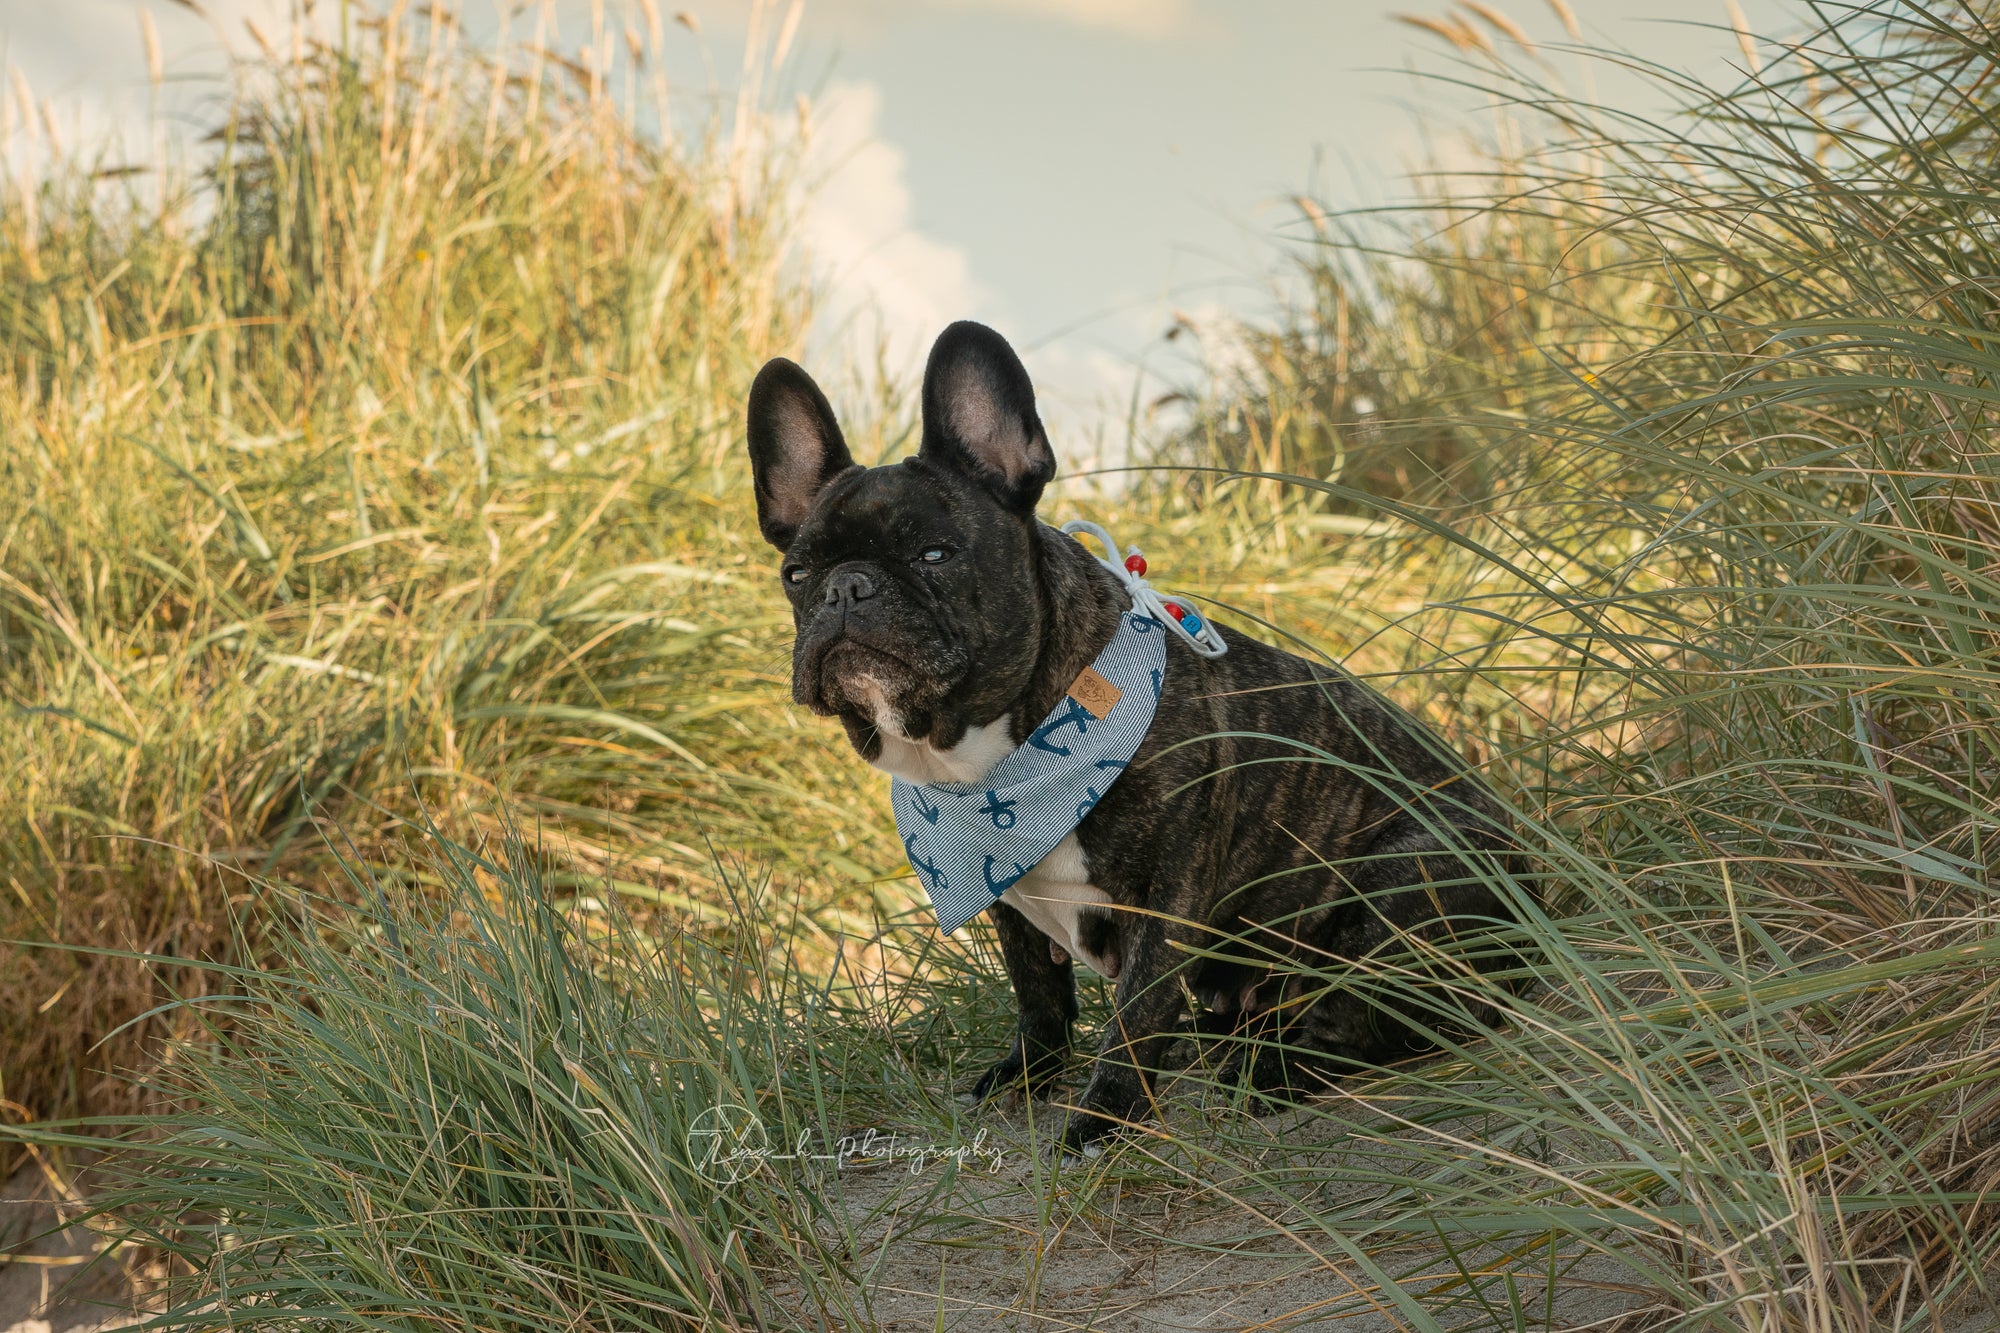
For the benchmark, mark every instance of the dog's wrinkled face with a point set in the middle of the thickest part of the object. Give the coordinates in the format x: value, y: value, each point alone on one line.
x: 912, y: 585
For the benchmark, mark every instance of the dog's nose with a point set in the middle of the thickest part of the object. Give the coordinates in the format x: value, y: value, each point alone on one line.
x: 850, y: 586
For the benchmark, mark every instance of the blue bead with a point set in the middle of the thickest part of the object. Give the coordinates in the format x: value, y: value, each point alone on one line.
x: 1191, y: 623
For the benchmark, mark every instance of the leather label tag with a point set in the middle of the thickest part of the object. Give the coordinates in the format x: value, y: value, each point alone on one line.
x: 1098, y: 695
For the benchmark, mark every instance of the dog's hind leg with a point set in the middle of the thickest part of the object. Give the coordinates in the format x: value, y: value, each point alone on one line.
x: 1396, y: 965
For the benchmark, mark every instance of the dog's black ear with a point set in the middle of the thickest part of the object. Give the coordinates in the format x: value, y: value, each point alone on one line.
x: 795, y: 448
x: 979, y: 415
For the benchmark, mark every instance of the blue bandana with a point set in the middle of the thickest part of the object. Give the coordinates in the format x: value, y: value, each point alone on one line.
x: 970, y: 841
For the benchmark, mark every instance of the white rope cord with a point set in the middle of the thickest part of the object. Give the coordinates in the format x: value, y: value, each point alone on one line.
x: 1201, y: 636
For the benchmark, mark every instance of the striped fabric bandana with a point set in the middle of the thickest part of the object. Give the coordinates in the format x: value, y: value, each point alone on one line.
x: 970, y: 841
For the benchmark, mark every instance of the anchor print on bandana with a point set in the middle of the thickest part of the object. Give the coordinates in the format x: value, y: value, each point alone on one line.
x: 934, y: 879
x: 999, y: 886
x: 1073, y: 715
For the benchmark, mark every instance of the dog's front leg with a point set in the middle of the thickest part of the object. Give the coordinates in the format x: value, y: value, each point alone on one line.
x: 1148, y: 1007
x: 1045, y: 993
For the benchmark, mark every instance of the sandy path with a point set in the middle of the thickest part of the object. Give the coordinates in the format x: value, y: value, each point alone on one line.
x: 1024, y: 1248
x: 47, y: 1282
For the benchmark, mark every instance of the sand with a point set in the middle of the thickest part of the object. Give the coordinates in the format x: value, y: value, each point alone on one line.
x: 48, y: 1280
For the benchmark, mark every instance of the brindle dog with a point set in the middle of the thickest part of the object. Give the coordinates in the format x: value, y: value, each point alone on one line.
x: 1277, y: 809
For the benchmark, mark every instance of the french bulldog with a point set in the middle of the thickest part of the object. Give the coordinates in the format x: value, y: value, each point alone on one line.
x: 1276, y: 809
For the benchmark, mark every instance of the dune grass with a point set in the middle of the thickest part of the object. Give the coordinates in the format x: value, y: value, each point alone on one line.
x: 1658, y: 471
x: 481, y: 1108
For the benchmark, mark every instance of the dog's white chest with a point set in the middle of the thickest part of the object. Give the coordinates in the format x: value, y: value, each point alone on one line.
x: 920, y: 762
x: 1054, y: 895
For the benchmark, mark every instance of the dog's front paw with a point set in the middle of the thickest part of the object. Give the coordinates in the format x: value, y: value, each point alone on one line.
x: 1007, y: 1074
x: 1086, y: 1135
x: 1015, y: 1073
x: 1107, y: 1107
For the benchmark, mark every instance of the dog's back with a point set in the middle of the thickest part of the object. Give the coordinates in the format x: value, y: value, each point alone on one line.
x: 1344, y: 831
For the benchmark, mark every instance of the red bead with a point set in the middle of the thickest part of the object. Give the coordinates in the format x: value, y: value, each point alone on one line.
x: 1136, y: 563
x: 1174, y: 609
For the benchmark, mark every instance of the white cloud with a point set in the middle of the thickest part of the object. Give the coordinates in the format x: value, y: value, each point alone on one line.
x: 884, y: 282
x: 882, y: 279
x: 1153, y: 19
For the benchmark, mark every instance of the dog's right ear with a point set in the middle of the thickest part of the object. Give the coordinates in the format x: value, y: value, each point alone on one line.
x: 795, y: 448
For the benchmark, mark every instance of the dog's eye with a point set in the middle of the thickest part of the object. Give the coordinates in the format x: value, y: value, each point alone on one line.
x: 797, y: 574
x: 937, y: 555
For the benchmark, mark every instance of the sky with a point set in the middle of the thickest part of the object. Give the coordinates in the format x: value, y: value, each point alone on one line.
x: 1078, y: 173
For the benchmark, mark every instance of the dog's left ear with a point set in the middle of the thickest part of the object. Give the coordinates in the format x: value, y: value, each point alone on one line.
x: 979, y: 416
